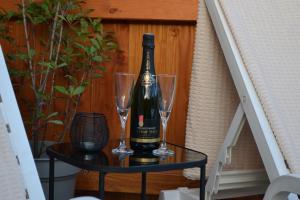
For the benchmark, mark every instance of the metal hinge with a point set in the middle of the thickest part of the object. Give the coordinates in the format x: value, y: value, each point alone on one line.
x: 27, y: 194
x: 18, y: 160
x: 8, y: 128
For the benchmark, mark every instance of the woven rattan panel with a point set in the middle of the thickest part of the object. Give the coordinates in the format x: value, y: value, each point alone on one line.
x: 267, y: 34
x: 213, y: 101
x: 11, y: 180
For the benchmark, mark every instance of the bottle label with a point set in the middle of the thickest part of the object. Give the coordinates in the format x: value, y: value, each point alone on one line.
x: 141, y: 120
x: 145, y: 131
x: 145, y: 140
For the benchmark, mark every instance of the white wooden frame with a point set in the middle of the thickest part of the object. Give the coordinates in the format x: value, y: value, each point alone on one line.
x: 250, y: 106
x: 18, y: 135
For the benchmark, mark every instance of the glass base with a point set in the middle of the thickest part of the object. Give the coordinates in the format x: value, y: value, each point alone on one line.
x: 163, y: 152
x: 122, y: 150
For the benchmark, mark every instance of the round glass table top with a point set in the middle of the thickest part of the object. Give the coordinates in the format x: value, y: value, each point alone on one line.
x: 106, y: 161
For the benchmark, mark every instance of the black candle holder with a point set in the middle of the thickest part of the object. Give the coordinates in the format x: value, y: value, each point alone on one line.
x: 89, y: 131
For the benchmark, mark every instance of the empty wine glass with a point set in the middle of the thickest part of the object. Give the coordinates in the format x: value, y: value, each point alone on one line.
x: 124, y: 84
x: 166, y: 93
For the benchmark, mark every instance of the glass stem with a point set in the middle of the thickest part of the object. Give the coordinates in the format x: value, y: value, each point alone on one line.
x: 164, y: 125
x: 122, y: 136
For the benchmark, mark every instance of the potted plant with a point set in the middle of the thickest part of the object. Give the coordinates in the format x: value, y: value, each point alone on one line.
x: 58, y: 65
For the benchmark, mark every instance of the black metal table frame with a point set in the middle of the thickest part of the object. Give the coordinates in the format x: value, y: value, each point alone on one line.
x: 137, y: 169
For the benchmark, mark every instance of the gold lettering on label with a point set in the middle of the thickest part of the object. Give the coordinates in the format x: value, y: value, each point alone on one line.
x: 146, y: 132
x: 145, y: 140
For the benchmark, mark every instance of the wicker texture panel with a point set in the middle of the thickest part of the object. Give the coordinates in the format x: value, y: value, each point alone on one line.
x: 213, y: 101
x: 11, y: 180
x: 267, y: 34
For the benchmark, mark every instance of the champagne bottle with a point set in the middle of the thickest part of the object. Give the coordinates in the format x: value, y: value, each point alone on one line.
x: 145, y: 119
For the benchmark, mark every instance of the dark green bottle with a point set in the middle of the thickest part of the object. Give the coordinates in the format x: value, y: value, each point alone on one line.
x: 145, y: 119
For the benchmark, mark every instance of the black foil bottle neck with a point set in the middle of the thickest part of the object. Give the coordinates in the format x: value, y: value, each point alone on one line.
x: 148, y: 54
x: 148, y: 40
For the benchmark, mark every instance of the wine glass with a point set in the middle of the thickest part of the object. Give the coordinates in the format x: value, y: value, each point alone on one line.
x: 124, y: 84
x: 166, y: 93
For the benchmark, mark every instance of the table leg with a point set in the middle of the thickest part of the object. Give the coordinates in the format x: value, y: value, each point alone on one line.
x: 101, y: 185
x: 144, y: 185
x: 202, y: 182
x: 51, y: 179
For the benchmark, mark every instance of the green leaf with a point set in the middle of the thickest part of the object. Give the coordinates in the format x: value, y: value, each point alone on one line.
x: 62, y: 18
x: 84, y: 25
x: 52, y: 65
x: 47, y: 64
x: 85, y: 83
x: 80, y: 46
x: 22, y: 56
x: 10, y: 14
x: 95, y: 76
x: 72, y: 79
x: 78, y: 90
x: 69, y: 18
x: 95, y: 43
x: 71, y: 89
x: 91, y: 50
x: 11, y: 56
x: 97, y: 58
x: 61, y: 89
x: 69, y: 50
x: 97, y: 26
x: 57, y: 122
x: 111, y: 45
x: 17, y: 72
x: 52, y: 115
x: 99, y: 38
x: 45, y: 8
x: 102, y: 68
x: 62, y: 65
x: 31, y: 53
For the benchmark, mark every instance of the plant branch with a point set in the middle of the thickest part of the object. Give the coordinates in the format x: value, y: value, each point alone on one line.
x: 67, y: 110
x: 59, y: 42
x: 72, y: 112
x: 53, y: 31
x: 44, y: 82
x: 56, y: 60
x: 32, y: 74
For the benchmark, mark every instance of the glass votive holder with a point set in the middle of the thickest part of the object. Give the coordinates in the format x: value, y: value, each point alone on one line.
x: 89, y: 131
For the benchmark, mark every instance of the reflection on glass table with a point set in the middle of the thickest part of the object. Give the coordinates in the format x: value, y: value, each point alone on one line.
x: 105, y: 162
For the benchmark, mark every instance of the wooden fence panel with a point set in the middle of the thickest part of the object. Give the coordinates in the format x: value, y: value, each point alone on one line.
x: 173, y: 54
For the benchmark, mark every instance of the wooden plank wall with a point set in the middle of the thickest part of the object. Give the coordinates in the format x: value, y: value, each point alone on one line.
x: 173, y: 23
